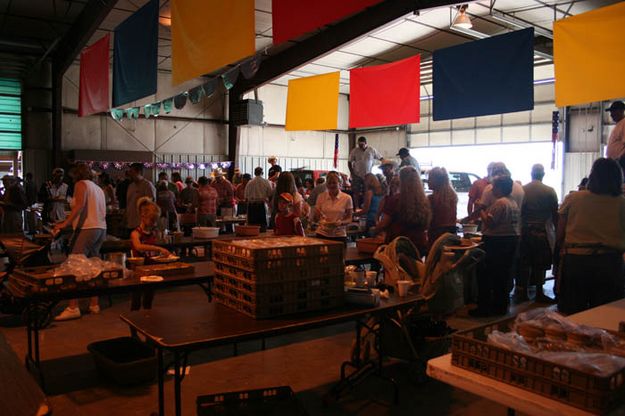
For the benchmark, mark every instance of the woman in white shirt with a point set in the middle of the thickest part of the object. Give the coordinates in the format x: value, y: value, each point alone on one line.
x: 88, y: 220
x: 333, y: 210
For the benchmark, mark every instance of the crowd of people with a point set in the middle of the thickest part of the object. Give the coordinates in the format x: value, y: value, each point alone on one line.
x: 524, y: 231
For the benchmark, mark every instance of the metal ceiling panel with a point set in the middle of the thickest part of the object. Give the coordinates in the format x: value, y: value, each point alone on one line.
x: 369, y: 46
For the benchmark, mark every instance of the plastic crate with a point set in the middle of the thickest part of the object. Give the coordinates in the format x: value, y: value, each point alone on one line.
x: 282, y: 270
x: 559, y: 382
x: 278, y: 306
x: 271, y: 401
x: 124, y: 360
x: 281, y: 248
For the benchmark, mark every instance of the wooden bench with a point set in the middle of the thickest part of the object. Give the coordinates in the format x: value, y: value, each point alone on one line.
x: 20, y: 394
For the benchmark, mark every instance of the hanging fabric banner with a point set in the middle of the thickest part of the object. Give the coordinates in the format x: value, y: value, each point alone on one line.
x: 135, y: 55
x: 335, y: 161
x: 196, y: 94
x: 291, y: 19
x: 588, y: 56
x: 117, y: 113
x: 230, y: 77
x: 487, y: 76
x: 168, y: 105
x: 94, y: 78
x: 132, y: 113
x: 250, y: 67
x: 208, y: 34
x: 313, y: 103
x: 209, y: 87
x: 385, y: 95
x: 180, y: 101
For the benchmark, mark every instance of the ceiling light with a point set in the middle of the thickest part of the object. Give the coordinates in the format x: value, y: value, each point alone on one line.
x: 461, y: 20
x: 164, y: 16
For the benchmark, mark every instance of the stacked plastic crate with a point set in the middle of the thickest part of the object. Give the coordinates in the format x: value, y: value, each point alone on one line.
x: 268, y: 277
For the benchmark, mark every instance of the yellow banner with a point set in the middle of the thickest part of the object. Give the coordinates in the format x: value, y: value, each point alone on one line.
x: 589, y: 56
x: 313, y: 103
x: 209, y: 34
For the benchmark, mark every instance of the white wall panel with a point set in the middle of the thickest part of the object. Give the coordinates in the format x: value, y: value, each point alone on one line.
x: 440, y: 138
x: 487, y: 121
x: 576, y: 167
x: 545, y: 92
x: 178, y: 137
x: 515, y: 134
x: 215, y: 139
x: 138, y: 135
x: 419, y: 140
x: 82, y: 132
x: 541, y: 132
x: 488, y: 135
x: 517, y: 117
x: 463, y: 137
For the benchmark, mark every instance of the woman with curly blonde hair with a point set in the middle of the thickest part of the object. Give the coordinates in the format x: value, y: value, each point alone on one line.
x: 443, y: 202
x: 407, y: 213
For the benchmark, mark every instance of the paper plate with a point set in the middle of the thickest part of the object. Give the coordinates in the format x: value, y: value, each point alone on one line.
x: 152, y: 278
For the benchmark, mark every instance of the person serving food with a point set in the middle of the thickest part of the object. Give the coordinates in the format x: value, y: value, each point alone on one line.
x: 333, y: 210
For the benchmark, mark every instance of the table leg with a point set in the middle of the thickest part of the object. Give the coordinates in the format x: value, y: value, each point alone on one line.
x: 177, y: 381
x: 161, y: 384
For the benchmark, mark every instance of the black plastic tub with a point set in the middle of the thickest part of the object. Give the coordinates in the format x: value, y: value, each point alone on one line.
x: 124, y: 360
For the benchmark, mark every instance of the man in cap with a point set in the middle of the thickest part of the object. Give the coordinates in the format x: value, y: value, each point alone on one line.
x: 53, y: 194
x: 407, y: 160
x: 225, y: 191
x: 539, y: 214
x: 389, y: 170
x: 616, y: 142
x: 360, y: 162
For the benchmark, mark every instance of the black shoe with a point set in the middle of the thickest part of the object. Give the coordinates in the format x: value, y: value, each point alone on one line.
x: 479, y: 313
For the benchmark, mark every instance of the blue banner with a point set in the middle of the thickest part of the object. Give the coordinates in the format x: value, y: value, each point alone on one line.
x: 488, y: 76
x: 135, y: 55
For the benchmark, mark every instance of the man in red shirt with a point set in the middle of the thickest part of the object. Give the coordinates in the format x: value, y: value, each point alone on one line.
x: 475, y: 193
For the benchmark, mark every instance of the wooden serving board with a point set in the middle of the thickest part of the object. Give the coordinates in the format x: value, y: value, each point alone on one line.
x: 166, y: 269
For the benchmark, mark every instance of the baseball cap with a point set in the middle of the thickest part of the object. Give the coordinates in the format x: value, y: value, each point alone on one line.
x: 403, y: 151
x: 616, y: 105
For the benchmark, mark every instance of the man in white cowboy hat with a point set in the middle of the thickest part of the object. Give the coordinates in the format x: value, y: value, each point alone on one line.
x: 616, y: 142
x: 225, y: 191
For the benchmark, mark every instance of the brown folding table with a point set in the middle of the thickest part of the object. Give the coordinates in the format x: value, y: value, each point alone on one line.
x: 181, y: 331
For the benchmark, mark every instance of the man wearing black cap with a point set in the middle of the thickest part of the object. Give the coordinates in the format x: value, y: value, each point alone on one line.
x: 616, y: 142
x: 407, y: 160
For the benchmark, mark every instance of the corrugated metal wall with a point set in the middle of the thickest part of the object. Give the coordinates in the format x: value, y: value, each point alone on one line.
x: 577, y: 166
x: 247, y: 164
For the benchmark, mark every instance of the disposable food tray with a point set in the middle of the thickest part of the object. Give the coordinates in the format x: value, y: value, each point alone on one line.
x: 271, y: 401
x: 166, y: 269
x: 596, y: 394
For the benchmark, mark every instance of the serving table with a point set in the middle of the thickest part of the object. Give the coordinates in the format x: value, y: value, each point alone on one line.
x: 182, y: 331
x: 606, y: 316
x: 39, y: 306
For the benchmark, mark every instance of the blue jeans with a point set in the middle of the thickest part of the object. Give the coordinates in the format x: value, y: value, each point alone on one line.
x: 88, y: 242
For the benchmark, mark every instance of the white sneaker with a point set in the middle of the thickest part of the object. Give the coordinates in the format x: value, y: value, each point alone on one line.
x: 67, y: 314
x: 94, y: 309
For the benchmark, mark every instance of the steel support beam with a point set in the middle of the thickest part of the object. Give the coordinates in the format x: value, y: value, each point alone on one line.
x: 324, y: 42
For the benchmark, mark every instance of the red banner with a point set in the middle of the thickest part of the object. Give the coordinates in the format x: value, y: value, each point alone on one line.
x: 94, y: 78
x: 293, y: 18
x: 385, y: 95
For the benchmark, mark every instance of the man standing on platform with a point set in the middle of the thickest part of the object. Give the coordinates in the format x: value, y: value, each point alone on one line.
x: 360, y: 162
x: 139, y: 187
x: 616, y: 142
x: 539, y: 215
x: 257, y: 193
x: 407, y: 160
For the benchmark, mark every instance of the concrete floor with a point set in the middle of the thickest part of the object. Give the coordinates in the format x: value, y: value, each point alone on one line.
x: 309, y: 362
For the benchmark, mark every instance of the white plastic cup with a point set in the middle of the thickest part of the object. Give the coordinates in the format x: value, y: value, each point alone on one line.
x: 372, y: 277
x: 402, y: 287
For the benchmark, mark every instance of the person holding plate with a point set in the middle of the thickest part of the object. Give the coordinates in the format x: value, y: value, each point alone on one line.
x: 333, y: 210
x: 143, y: 240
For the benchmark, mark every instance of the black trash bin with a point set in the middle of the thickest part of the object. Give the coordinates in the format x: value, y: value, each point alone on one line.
x: 124, y: 360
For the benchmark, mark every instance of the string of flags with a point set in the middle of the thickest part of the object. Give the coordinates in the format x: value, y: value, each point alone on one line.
x: 229, y: 78
x: 103, y: 165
